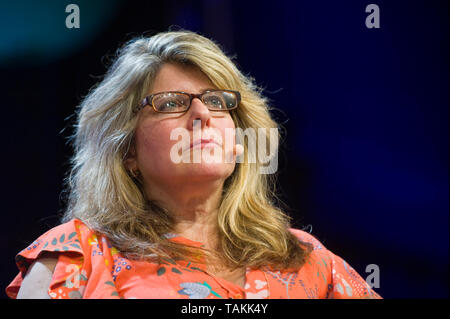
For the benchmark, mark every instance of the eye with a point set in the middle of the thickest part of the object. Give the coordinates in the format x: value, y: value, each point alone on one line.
x: 215, y: 101
x: 169, y: 104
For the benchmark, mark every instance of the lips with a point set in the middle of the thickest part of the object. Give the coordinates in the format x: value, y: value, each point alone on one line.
x: 203, y: 142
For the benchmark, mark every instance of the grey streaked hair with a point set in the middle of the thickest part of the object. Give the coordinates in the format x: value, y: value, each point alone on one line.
x: 102, y: 194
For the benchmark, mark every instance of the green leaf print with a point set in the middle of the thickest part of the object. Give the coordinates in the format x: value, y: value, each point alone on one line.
x: 72, y: 235
x: 61, y: 239
x: 176, y: 271
x: 161, y: 271
x: 83, y: 277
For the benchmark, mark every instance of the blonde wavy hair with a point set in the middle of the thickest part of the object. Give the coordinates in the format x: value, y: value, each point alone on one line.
x: 253, y: 232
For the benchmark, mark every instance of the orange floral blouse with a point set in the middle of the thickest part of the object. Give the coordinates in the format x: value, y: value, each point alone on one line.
x: 89, y: 267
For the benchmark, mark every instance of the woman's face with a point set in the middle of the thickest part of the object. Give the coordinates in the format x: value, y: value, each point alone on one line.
x: 157, y: 156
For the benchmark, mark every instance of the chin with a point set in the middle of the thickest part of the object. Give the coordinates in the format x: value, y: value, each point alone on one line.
x: 211, y: 170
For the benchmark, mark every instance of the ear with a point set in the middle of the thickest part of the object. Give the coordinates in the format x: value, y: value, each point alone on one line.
x: 130, y: 161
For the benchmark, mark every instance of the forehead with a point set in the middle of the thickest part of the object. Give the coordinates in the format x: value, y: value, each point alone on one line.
x: 180, y: 77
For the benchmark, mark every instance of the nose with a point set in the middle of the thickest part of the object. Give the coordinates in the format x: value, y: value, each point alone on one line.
x: 199, y: 113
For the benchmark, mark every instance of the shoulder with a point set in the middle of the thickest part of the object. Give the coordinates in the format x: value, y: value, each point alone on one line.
x: 38, y: 278
x: 343, y: 281
x: 306, y: 237
x: 65, y: 237
x: 46, y: 260
x: 71, y: 228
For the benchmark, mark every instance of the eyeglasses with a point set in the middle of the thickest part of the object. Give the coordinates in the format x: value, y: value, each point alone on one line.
x: 178, y: 102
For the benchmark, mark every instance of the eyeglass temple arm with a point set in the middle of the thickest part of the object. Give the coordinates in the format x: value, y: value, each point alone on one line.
x: 141, y: 105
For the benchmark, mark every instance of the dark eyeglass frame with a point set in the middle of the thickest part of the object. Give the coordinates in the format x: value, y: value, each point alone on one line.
x: 148, y: 100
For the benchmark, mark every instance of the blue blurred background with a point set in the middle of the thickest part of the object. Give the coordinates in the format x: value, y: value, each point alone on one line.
x: 365, y: 157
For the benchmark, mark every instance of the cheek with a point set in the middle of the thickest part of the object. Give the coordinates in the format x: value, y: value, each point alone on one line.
x: 153, y: 145
x: 228, y: 131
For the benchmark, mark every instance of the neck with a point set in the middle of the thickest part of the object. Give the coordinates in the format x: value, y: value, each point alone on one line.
x: 194, y: 208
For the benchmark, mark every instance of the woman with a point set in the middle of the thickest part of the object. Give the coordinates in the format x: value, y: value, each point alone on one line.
x: 147, y: 220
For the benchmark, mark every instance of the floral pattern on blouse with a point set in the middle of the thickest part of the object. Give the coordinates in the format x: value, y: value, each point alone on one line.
x: 89, y: 266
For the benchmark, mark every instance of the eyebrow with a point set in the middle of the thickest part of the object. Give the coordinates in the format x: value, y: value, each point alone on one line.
x: 204, y: 90
x: 209, y: 89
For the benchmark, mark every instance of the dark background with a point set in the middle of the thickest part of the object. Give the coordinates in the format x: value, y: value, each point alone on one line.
x: 365, y: 158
